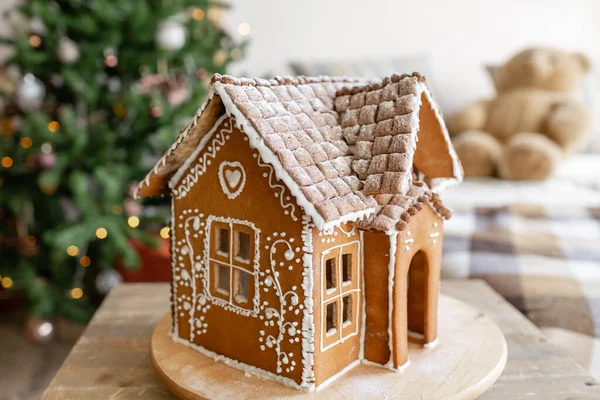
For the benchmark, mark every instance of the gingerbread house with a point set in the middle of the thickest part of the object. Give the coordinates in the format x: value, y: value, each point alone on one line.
x: 306, y: 225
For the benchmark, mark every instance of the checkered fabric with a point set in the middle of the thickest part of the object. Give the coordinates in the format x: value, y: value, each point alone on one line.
x: 544, y: 260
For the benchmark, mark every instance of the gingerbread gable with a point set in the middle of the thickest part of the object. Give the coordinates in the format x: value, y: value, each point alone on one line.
x: 338, y: 144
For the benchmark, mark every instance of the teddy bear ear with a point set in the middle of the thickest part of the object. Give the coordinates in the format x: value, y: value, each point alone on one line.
x: 584, y: 60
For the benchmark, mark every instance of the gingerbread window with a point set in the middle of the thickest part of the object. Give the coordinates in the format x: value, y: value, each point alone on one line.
x: 340, y: 294
x: 232, y: 260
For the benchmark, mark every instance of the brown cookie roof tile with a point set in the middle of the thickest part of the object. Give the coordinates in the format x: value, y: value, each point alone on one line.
x: 335, y: 142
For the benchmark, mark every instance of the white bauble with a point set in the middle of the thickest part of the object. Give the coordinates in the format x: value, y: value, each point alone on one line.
x: 30, y: 92
x: 107, y: 279
x: 67, y: 51
x: 170, y: 35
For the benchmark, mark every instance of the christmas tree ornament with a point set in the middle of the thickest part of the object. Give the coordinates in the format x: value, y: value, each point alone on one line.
x: 132, y: 207
x: 170, y: 35
x: 46, y: 160
x: 30, y: 92
x: 114, y: 84
x: 201, y: 73
x: 110, y: 58
x: 107, y: 279
x: 38, y: 329
x: 36, y: 25
x: 67, y: 51
x: 156, y: 111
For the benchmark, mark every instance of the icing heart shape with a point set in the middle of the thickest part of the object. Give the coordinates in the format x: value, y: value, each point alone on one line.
x: 232, y: 177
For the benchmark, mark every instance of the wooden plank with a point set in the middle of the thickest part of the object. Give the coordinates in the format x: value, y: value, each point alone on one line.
x: 112, y: 357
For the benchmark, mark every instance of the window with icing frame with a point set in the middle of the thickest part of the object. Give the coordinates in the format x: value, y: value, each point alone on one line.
x: 232, y: 257
x: 340, y: 293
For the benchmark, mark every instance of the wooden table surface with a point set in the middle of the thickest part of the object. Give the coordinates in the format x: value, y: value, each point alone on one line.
x: 111, y: 360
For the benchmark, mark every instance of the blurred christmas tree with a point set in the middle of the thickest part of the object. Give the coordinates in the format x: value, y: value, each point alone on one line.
x: 94, y: 92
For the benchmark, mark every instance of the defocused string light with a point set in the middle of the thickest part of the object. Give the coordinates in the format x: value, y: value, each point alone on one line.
x: 7, y: 282
x: 53, y: 126
x: 46, y: 148
x: 198, y: 14
x: 76, y: 293
x: 30, y: 240
x: 26, y: 142
x: 7, y: 162
x: 35, y: 41
x: 72, y: 250
x: 244, y: 28
x: 165, y: 232
x: 133, y: 221
x: 85, y: 261
x: 101, y: 233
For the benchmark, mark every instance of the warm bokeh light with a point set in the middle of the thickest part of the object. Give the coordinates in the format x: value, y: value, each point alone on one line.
x: 85, y: 261
x: 111, y: 61
x: 7, y: 282
x: 35, y: 41
x: 30, y: 240
x: 236, y: 54
x: 198, y: 14
x: 120, y: 110
x: 165, y: 232
x: 53, y: 126
x: 46, y: 148
x: 26, y: 142
x: 7, y: 162
x: 133, y: 221
x: 101, y: 233
x: 76, y: 293
x: 244, y: 28
x: 72, y: 250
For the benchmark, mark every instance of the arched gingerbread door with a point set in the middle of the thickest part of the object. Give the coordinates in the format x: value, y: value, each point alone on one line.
x: 417, y: 291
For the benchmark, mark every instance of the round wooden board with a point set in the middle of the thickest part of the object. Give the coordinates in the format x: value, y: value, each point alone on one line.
x: 467, y: 359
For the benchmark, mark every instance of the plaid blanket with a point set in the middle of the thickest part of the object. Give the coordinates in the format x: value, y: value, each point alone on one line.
x: 544, y: 260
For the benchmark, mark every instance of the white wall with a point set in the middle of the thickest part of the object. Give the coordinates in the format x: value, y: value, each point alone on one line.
x: 459, y: 35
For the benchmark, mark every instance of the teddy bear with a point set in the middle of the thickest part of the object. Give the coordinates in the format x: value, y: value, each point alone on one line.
x: 533, y: 122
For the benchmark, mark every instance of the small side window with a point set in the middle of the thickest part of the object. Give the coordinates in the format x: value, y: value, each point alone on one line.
x: 347, y: 268
x: 331, y: 318
x: 330, y: 274
x: 347, y: 310
x: 222, y: 273
x: 243, y: 250
x: 242, y: 289
x: 223, y: 241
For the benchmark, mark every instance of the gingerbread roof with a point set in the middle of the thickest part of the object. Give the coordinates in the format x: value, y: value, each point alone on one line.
x: 335, y: 142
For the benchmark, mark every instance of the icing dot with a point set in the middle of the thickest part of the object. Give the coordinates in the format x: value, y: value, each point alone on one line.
x: 289, y: 254
x: 275, y: 234
x: 265, y: 175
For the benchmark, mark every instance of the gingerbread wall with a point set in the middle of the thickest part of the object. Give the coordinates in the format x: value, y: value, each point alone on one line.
x: 418, y: 253
x: 339, y: 348
x: 229, y: 187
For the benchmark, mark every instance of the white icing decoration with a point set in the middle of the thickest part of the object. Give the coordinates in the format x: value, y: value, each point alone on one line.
x: 232, y: 178
x: 275, y: 317
x: 248, y: 369
x: 308, y: 326
x: 187, y: 175
x: 391, y: 272
x: 278, y: 190
x: 228, y: 305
